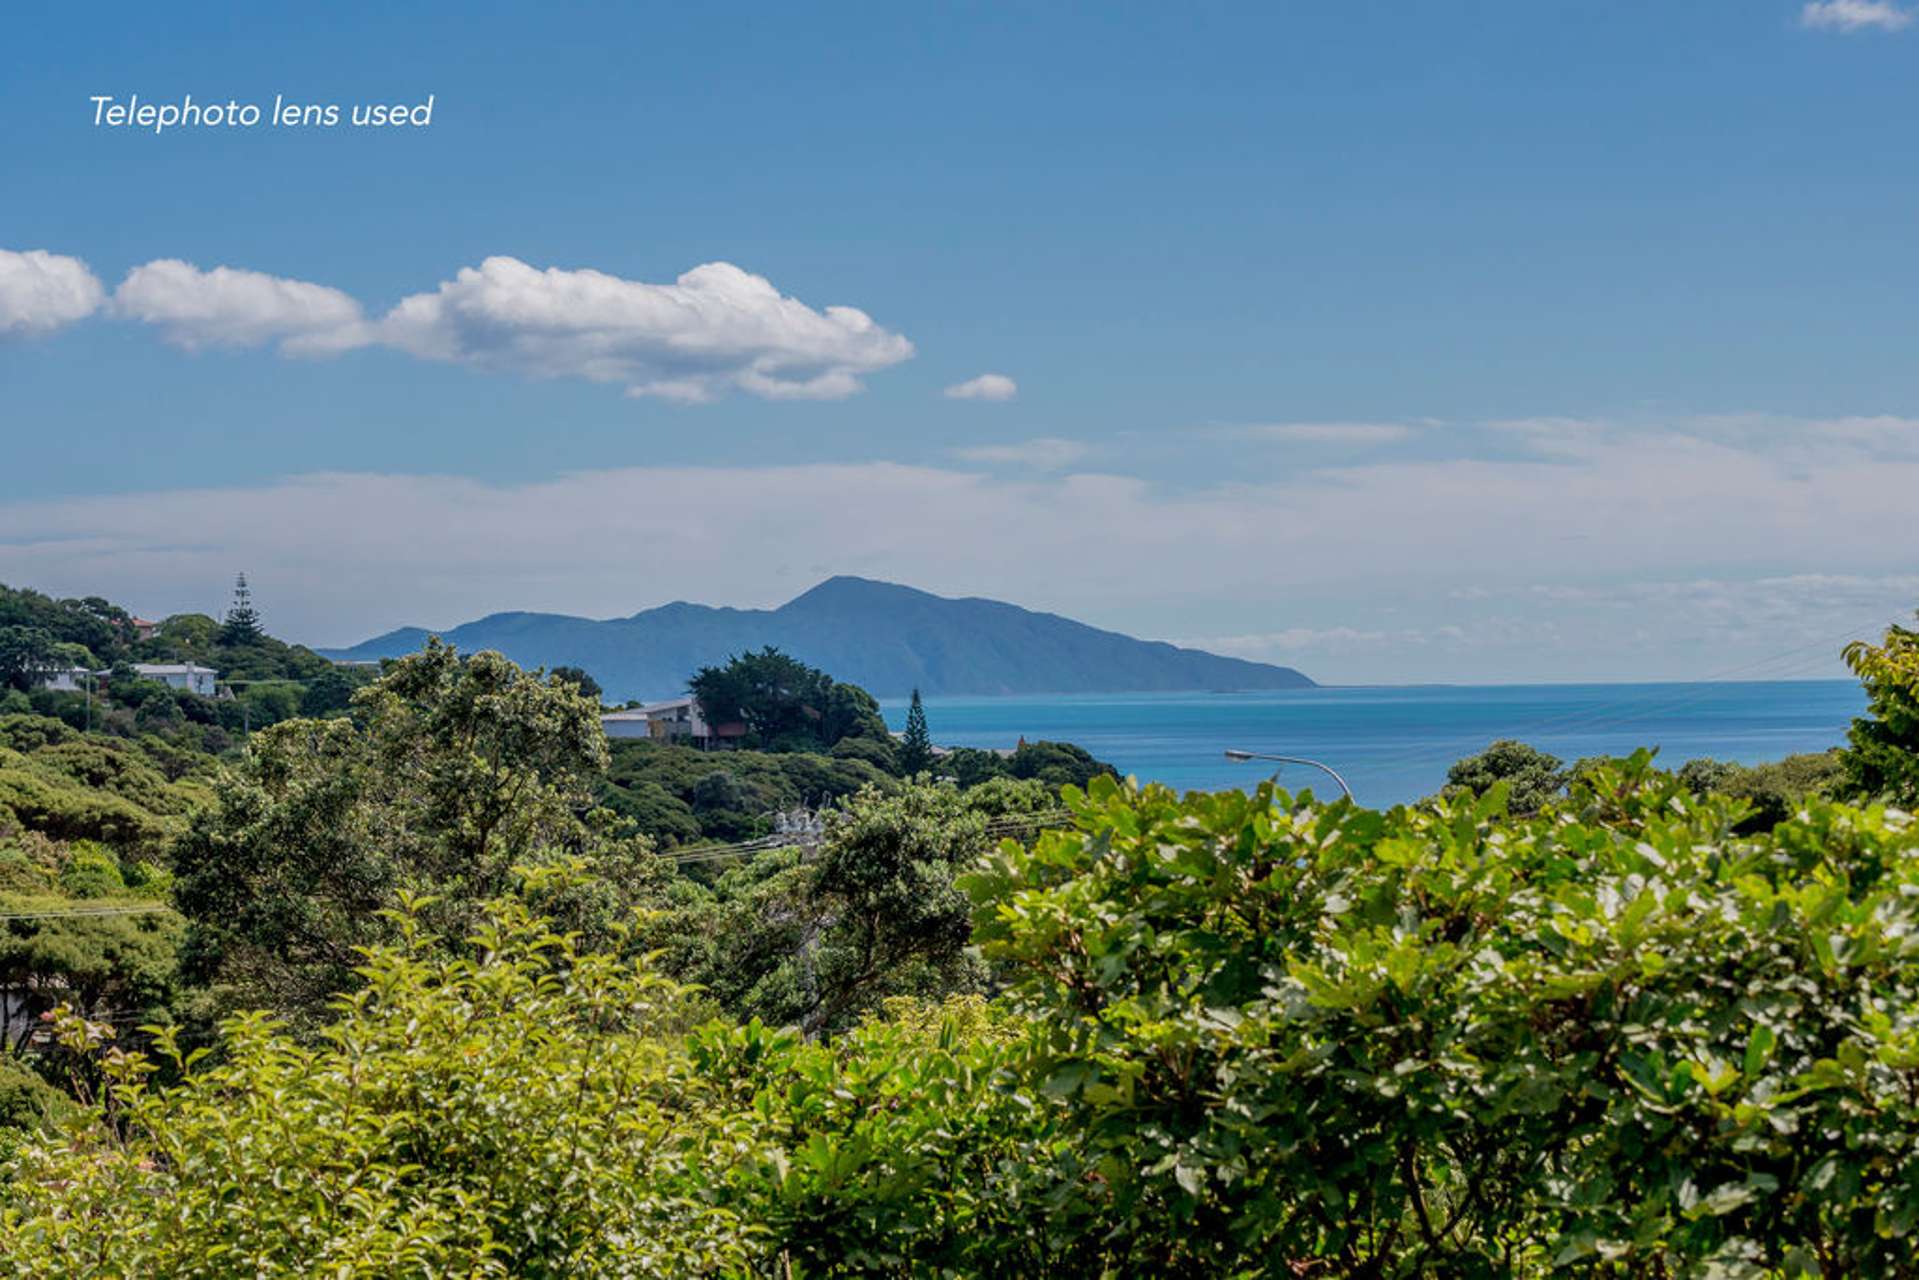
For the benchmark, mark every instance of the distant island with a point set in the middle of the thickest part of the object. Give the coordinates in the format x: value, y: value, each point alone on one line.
x: 887, y: 638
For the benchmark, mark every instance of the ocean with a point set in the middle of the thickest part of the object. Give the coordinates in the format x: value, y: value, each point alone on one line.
x: 1394, y: 743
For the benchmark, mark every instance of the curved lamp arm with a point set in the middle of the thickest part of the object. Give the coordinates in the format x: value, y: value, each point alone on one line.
x: 1232, y: 754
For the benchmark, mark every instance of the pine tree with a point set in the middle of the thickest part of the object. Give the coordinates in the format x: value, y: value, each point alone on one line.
x: 242, y: 623
x: 916, y: 746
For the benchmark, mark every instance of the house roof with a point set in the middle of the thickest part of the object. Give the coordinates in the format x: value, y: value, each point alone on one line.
x: 671, y: 704
x: 172, y: 669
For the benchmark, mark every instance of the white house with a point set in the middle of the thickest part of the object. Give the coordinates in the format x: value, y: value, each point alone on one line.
x: 630, y: 723
x: 65, y: 680
x: 677, y: 720
x: 181, y: 675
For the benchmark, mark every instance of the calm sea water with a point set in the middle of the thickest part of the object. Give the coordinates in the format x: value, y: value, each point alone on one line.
x: 1394, y: 743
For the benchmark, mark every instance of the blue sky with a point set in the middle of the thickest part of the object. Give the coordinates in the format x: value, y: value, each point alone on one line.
x: 1395, y: 341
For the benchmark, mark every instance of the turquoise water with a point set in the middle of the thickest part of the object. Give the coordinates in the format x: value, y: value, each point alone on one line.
x: 1393, y: 743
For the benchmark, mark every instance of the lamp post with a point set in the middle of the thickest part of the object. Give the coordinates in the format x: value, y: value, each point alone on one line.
x: 1235, y: 754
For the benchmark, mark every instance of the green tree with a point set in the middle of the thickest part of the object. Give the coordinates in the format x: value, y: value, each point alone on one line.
x: 241, y: 626
x: 785, y: 704
x: 1775, y: 790
x: 1057, y: 764
x: 576, y: 676
x: 109, y: 957
x: 26, y: 654
x: 103, y: 629
x: 817, y: 941
x: 916, y: 744
x: 453, y: 770
x: 1882, y: 756
x: 881, y: 753
x: 1533, y: 777
x: 886, y: 881
x: 326, y: 693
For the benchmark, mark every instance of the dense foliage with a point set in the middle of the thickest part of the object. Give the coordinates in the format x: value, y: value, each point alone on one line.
x: 85, y: 823
x: 1883, y: 754
x: 1532, y: 778
x: 1055, y: 764
x: 1240, y: 1036
x: 517, y: 1109
x: 453, y: 772
x: 1603, y: 1018
x: 785, y: 704
x: 39, y: 633
x: 1774, y: 790
x: 679, y: 795
x: 816, y: 941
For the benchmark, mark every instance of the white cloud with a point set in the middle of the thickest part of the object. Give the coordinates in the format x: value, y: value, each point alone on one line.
x: 1366, y: 434
x: 1432, y: 566
x: 1855, y: 15
x: 988, y: 386
x: 1047, y: 453
x: 41, y: 292
x: 714, y: 329
x: 230, y: 307
x: 1881, y: 435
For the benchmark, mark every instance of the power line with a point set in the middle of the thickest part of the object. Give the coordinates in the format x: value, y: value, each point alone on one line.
x: 85, y: 913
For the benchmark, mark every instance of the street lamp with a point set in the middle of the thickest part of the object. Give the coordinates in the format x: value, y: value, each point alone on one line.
x: 1234, y: 754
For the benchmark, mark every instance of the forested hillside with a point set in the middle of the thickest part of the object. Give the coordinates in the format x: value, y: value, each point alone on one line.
x: 427, y: 987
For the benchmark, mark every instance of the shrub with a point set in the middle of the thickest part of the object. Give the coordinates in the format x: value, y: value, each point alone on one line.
x: 26, y: 1102
x: 1533, y: 778
x: 91, y: 872
x: 31, y: 732
x: 20, y: 873
x: 1882, y: 756
x: 881, y: 753
x: 1444, y: 1042
x: 525, y: 1112
x: 65, y: 810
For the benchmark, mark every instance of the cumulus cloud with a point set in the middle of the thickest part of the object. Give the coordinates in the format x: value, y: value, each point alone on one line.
x: 41, y: 292
x: 1047, y: 453
x: 229, y: 307
x: 988, y: 386
x: 1855, y: 15
x: 714, y: 329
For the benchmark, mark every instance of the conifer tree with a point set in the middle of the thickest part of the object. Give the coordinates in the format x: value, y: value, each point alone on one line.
x: 916, y: 746
x: 242, y: 623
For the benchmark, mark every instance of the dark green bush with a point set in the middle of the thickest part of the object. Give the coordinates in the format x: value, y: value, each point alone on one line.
x: 26, y: 1101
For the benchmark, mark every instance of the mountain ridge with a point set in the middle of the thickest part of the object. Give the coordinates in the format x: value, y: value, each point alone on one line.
x: 887, y: 637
